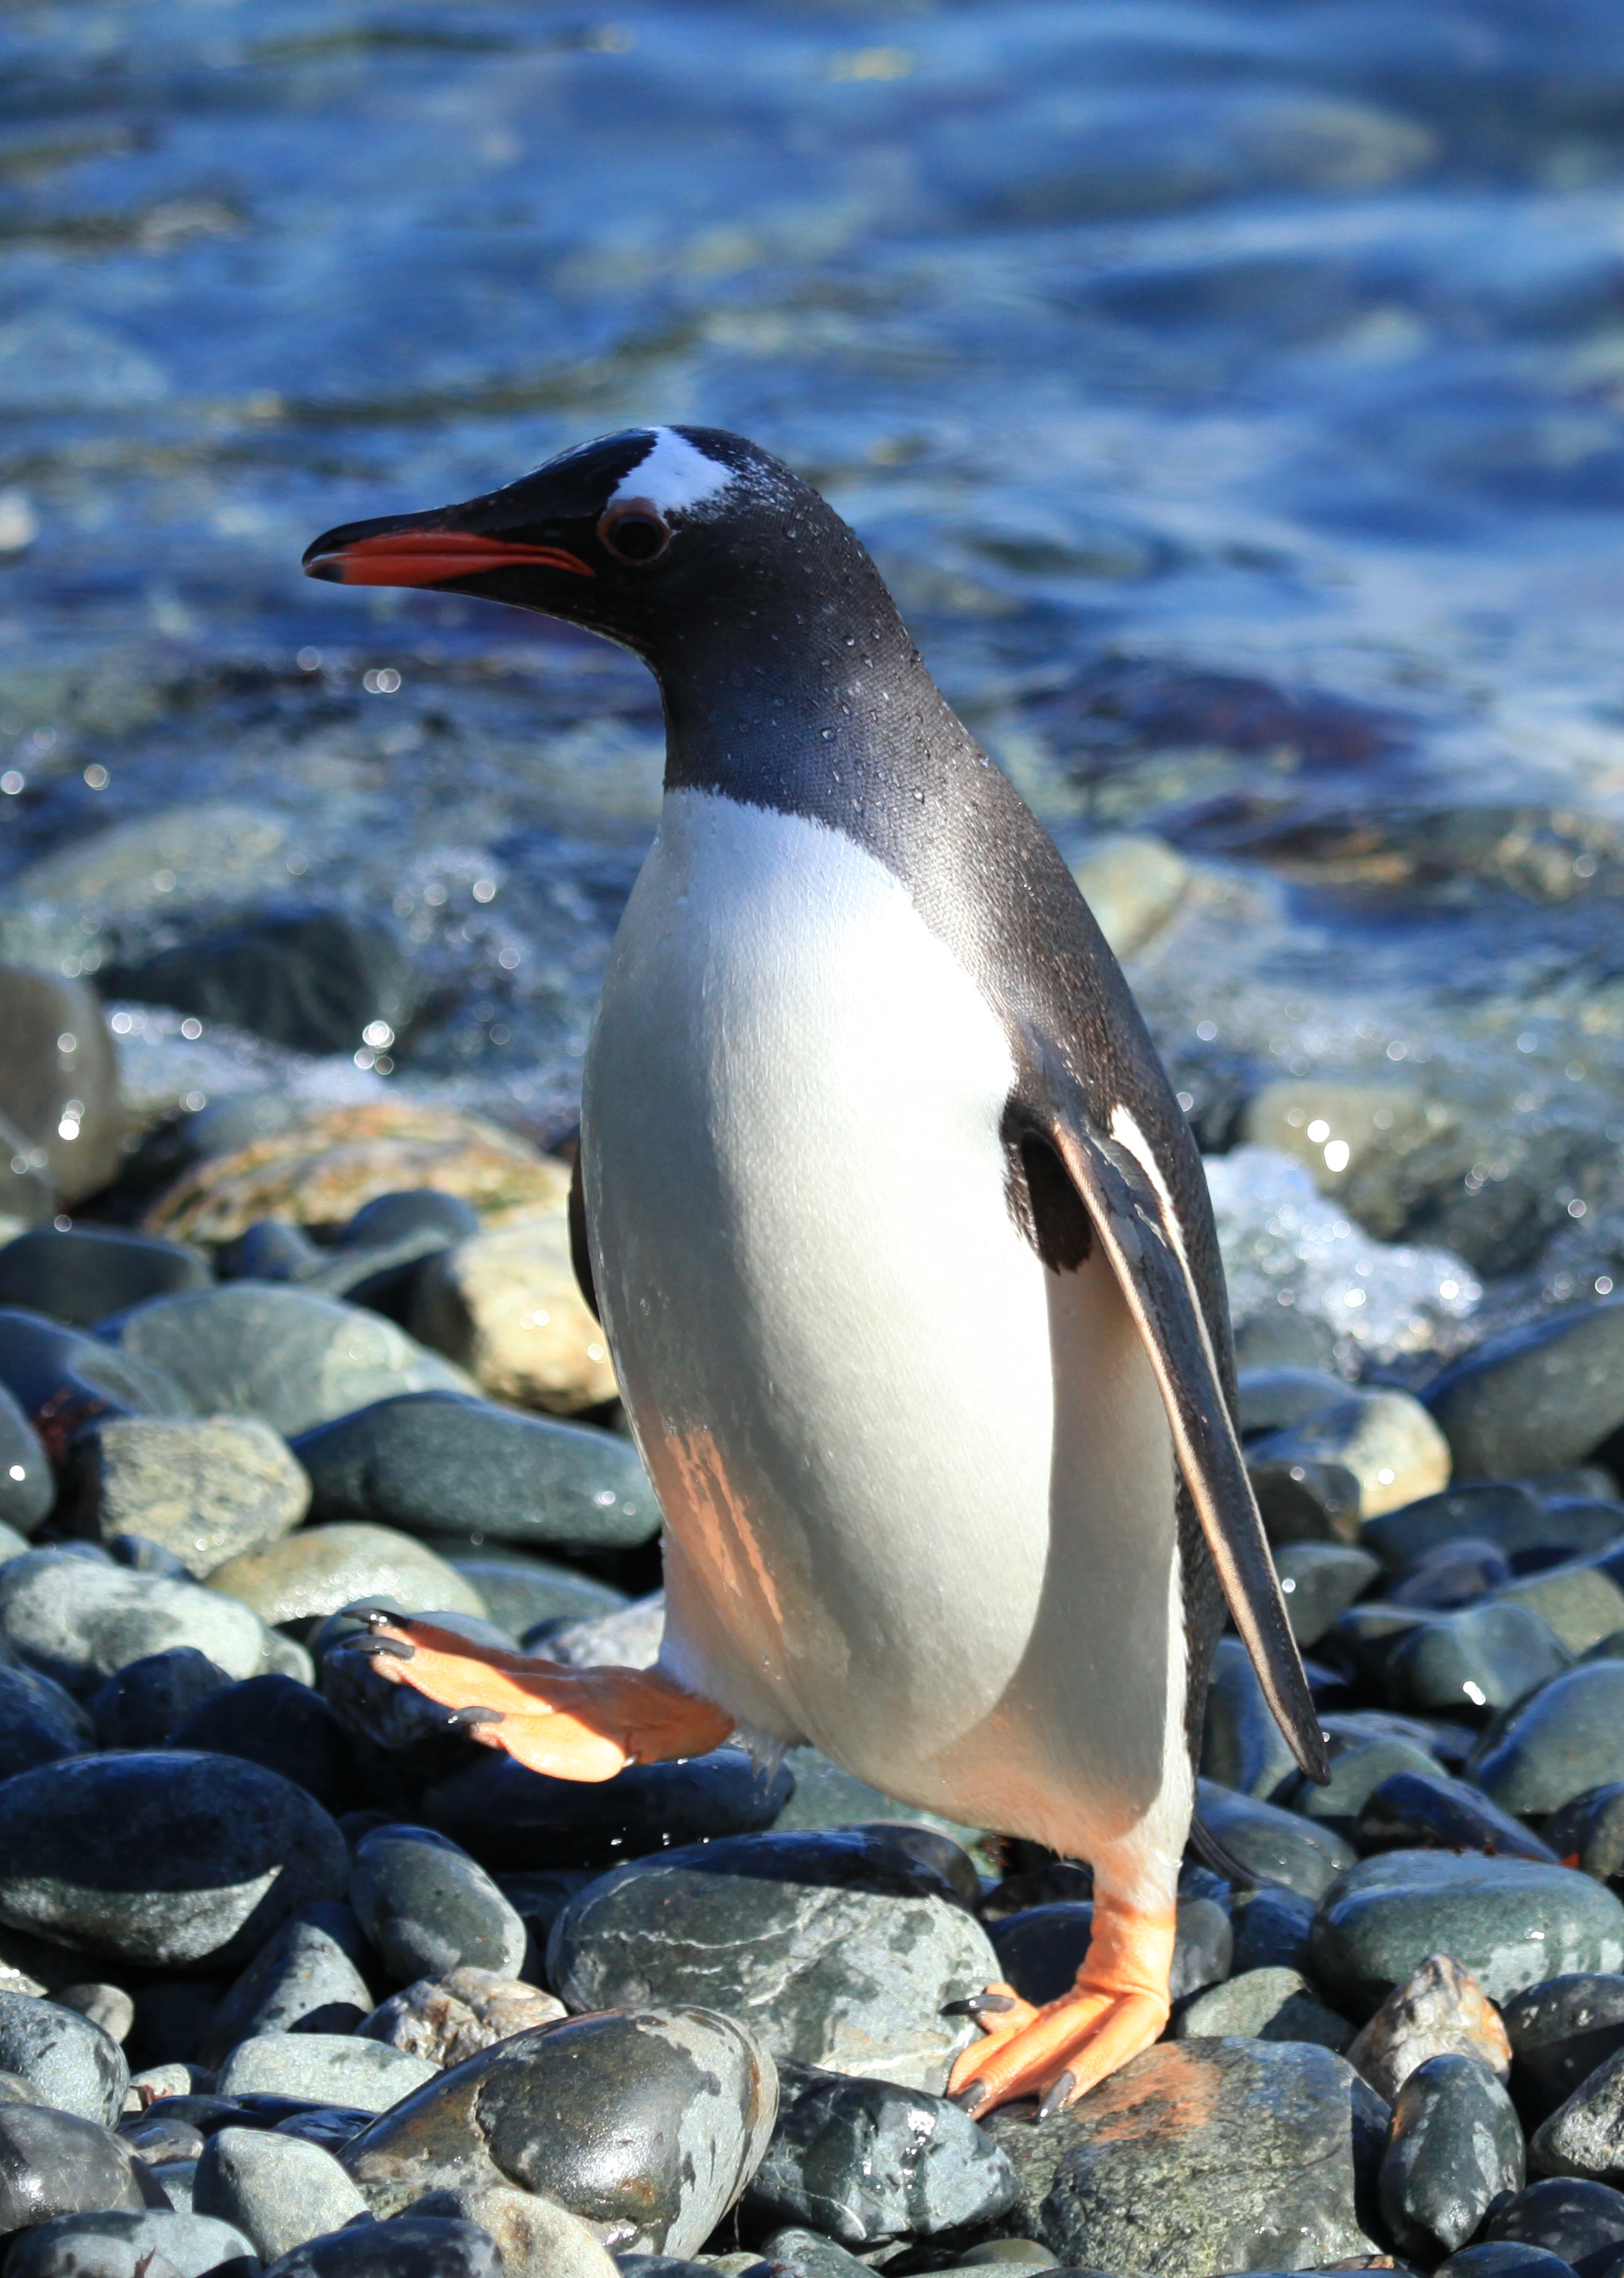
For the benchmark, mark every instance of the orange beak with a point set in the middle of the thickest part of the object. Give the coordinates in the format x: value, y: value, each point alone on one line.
x: 428, y: 557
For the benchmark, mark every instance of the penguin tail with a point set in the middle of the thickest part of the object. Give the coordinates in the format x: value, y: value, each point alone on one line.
x: 1221, y: 1861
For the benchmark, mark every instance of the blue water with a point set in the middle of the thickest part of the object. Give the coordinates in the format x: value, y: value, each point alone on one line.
x: 1234, y: 395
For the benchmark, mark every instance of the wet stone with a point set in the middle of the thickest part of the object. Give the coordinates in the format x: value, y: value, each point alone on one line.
x: 1567, y: 1739
x: 1278, y: 1846
x: 413, y: 2246
x: 275, y: 2190
x: 1263, y: 2005
x: 82, y: 1274
x: 840, y: 1950
x: 336, y: 2068
x: 306, y: 1979
x: 628, y: 1639
x: 157, y: 2140
x: 27, y: 1485
x: 118, y: 2243
x: 1202, y: 2156
x: 53, y: 2163
x: 278, y: 1723
x: 448, y: 2018
x: 1272, y: 1929
x: 1481, y: 1656
x: 165, y: 1859
x: 1386, y: 1915
x: 1321, y: 1580
x: 39, y: 1076
x: 432, y: 1463
x: 1359, y: 1764
x: 427, y: 1908
x: 1559, y: 2033
x: 1511, y: 1514
x: 63, y: 1380
x: 1380, y: 1441
x: 1582, y: 1601
x: 1440, y: 2010
x: 1242, y: 1745
x: 203, y: 1488
x: 1589, y: 1827
x: 39, y: 1722
x: 68, y: 2061
x: 1503, y: 2259
x: 143, y: 1702
x: 809, y: 2253
x: 1429, y: 1810
x: 509, y: 1817
x: 1454, y: 2148
x: 647, y: 2123
x: 863, y: 2161
x: 1538, y: 1397
x: 79, y: 1619
x: 323, y: 1568
x: 1581, y: 2222
x: 507, y: 1306
x: 534, y: 2238
x: 1585, y: 2135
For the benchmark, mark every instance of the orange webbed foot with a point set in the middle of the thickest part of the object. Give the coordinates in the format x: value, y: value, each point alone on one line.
x: 1117, y: 2006
x: 575, y: 1723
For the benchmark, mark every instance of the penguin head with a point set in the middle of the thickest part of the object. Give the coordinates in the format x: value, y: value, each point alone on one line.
x: 640, y: 536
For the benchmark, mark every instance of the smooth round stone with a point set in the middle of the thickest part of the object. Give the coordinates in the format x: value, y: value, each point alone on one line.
x: 1483, y: 1657
x: 323, y: 1568
x: 427, y: 1908
x: 275, y: 2190
x: 336, y: 2068
x: 1278, y: 1846
x: 120, y: 2243
x: 39, y: 1076
x: 53, y: 2163
x: 1536, y: 1398
x: 413, y: 2246
x: 841, y: 1949
x: 1041, y: 1949
x: 525, y: 1597
x: 154, y: 2141
x: 79, y: 1619
x: 269, y: 1251
x: 648, y: 2122
x: 308, y: 978
x: 809, y: 2254
x: 863, y: 2161
x: 397, y: 1717
x: 109, y: 2006
x: 81, y: 1273
x: 1319, y: 1581
x: 63, y: 1380
x: 282, y: 1725
x: 1451, y: 1575
x: 68, y: 2061
x: 1383, y: 1917
x: 143, y: 1702
x: 629, y: 1637
x: 447, y: 2018
x: 1263, y: 2005
x: 1590, y: 1826
x: 27, y: 1486
x: 309, y: 1978
x: 1429, y: 1810
x: 507, y: 1816
x: 291, y: 1358
x: 433, y: 1464
x: 1583, y: 1601
x: 1585, y: 2135
x: 411, y: 1210
x: 534, y: 2238
x: 1511, y: 1514
x: 1503, y: 2260
x: 1272, y: 1929
x: 1583, y: 2223
x: 39, y: 1722
x: 331, y: 2128
x: 1358, y: 1767
x: 1568, y: 1738
x: 162, y: 1858
x: 1202, y: 2156
x: 1242, y: 1745
x: 1454, y: 2148
x: 1272, y: 1399
x: 1559, y: 2033
x: 204, y: 1488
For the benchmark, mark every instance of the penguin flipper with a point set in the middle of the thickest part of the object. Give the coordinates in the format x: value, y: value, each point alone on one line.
x: 1137, y: 1224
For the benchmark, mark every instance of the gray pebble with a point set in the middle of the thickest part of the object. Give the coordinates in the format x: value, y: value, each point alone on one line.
x: 306, y: 1979
x: 415, y: 2246
x: 362, y: 2075
x: 143, y: 1703
x: 1559, y: 2033
x: 276, y: 2190
x: 70, y: 2062
x: 534, y: 2238
x: 1585, y: 2135
x: 1263, y: 2005
x: 203, y: 1488
x: 1454, y: 2148
x: 53, y: 2163
x: 115, y: 2244
x: 1568, y: 1738
x: 427, y: 1907
x: 79, y: 1619
x: 1280, y: 1848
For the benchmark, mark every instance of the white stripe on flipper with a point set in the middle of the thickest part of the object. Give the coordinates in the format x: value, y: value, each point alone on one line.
x: 674, y: 476
x: 1126, y: 1132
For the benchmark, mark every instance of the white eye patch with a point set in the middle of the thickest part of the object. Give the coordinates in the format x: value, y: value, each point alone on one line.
x: 673, y: 477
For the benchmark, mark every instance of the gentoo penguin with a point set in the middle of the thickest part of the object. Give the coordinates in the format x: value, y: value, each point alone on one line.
x: 899, y: 1237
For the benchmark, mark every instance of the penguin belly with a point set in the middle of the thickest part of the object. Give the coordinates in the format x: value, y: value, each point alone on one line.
x: 920, y: 1492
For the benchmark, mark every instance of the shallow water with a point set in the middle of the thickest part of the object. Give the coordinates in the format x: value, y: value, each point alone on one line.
x: 1234, y: 395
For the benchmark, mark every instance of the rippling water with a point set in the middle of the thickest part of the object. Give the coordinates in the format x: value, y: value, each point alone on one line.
x: 1234, y: 394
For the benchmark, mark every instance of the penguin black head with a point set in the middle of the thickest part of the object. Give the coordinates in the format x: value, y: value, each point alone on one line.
x: 646, y: 537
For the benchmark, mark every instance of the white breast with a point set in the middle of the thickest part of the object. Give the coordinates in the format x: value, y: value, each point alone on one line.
x: 886, y: 1533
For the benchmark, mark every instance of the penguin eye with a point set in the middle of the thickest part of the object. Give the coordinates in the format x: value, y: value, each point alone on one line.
x: 634, y: 534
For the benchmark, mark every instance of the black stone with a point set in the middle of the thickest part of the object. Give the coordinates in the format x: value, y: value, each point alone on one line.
x: 276, y: 1722
x: 436, y: 1462
x: 427, y: 1907
x: 311, y: 979
x: 83, y: 1272
x: 1449, y: 1575
x: 1277, y: 1846
x: 1272, y: 1929
x: 163, y: 1858
x: 119, y: 2243
x: 1359, y: 1764
x: 142, y: 1704
x: 1510, y: 1514
x: 164, y: 2138
x: 27, y: 1485
x: 269, y: 1251
x: 507, y: 1816
x: 1320, y: 1581
x: 413, y: 2246
x: 54, y: 2163
x: 1581, y: 2222
x: 1363, y: 1641
x: 1413, y: 1810
x: 1242, y: 1745
x: 1589, y: 1831
x: 1483, y: 1657
x: 61, y: 1380
x: 1559, y: 2032
x: 309, y: 1978
x: 1503, y: 2259
x: 39, y: 1722
x: 410, y: 1210
x: 1455, y: 2148
x: 1548, y: 1393
x: 1569, y: 1738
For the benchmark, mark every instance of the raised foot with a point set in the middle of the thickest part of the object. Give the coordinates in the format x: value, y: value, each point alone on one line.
x: 575, y: 1723
x: 1117, y: 2006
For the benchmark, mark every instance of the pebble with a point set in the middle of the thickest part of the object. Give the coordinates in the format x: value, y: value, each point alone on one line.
x: 68, y: 2061
x: 427, y: 1908
x: 628, y: 1639
x: 647, y: 2122
x: 156, y: 2141
x: 143, y: 1702
x: 1275, y: 1398
x: 509, y: 1817
x: 338, y: 2069
x: 1242, y: 1745
x: 204, y: 1488
x: 80, y: 1274
x: 27, y: 1485
x: 228, y: 1852
x: 432, y: 1463
x: 1503, y: 2260
x: 534, y: 2238
x: 1511, y: 1514
x: 447, y: 2018
x: 1454, y: 2148
x: 1321, y: 1580
x: 309, y: 978
x: 1482, y: 1656
x: 1439, y: 2010
x: 1360, y: 1762
x: 1569, y: 1738
x: 1041, y: 1949
x: 109, y: 2006
x: 39, y: 1722
x: 1263, y: 2005
x: 1427, y: 1810
x: 1454, y: 1574
x: 1582, y: 1601
x: 1278, y: 1846
x: 284, y: 1354
x: 1581, y: 2222
x: 1559, y: 2033
x: 1132, y: 881
x: 1272, y: 1928
x: 506, y: 1305
x: 415, y: 2246
x: 1388, y: 1914
x: 808, y: 2253
x: 77, y: 1619
x: 863, y: 2161
x: 1384, y: 1439
x: 1199, y: 2157
x: 275, y: 2190
x: 839, y: 1949
x: 396, y: 1718
x: 122, y: 2243
x: 1536, y: 1397
x: 278, y: 1723
x: 529, y: 1597
x: 53, y: 2163
x: 307, y: 1979
x: 1585, y: 2135
x: 63, y: 1380
x: 40, y: 1073
x: 323, y: 1568
x: 322, y: 1169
